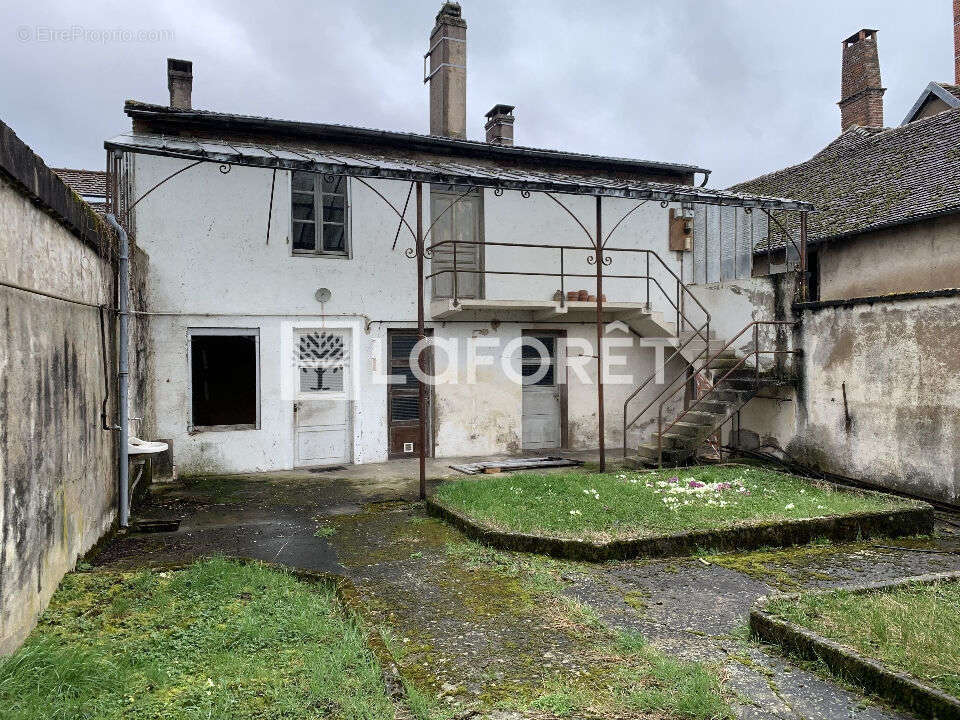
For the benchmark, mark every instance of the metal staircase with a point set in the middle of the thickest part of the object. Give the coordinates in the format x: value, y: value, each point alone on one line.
x: 735, y: 379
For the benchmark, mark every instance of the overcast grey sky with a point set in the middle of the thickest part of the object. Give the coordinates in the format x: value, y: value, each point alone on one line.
x: 739, y: 86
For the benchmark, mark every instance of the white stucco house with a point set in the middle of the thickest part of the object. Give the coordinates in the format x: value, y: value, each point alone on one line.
x: 282, y: 292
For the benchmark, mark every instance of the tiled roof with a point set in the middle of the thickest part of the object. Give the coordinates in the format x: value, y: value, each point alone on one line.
x: 85, y: 183
x: 870, y: 178
x: 246, y: 124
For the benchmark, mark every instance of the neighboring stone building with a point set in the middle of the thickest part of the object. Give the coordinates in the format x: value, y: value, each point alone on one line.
x: 879, y: 392
x: 888, y: 199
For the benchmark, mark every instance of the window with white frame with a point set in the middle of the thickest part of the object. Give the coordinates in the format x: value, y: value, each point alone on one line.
x: 319, y: 214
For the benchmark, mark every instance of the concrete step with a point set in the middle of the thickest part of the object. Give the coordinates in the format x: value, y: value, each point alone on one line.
x: 648, y: 455
x: 687, y: 429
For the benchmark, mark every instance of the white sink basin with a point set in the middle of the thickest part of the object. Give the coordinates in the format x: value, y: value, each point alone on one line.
x: 136, y: 446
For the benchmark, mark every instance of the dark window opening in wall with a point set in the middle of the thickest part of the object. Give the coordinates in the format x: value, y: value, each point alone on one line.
x: 319, y: 214
x: 813, y: 276
x: 224, y: 379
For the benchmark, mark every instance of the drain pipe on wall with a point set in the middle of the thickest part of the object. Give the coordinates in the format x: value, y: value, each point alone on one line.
x: 123, y: 370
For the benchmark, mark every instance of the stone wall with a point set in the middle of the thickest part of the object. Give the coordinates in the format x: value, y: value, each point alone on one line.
x: 58, y: 468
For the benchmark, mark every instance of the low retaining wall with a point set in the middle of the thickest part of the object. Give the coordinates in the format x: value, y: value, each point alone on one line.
x: 898, y: 687
x: 916, y: 520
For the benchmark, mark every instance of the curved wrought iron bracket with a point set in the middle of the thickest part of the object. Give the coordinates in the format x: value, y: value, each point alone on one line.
x: 625, y: 216
x: 170, y: 177
x: 782, y: 229
x: 569, y: 212
x: 403, y: 215
x: 392, y: 207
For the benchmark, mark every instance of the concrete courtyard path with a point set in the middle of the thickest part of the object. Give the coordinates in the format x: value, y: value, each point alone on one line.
x: 476, y: 628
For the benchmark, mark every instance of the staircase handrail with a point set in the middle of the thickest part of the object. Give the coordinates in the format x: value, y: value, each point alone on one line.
x: 756, y: 352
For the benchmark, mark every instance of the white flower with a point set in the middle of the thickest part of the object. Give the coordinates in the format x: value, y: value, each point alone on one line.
x: 789, y: 506
x: 802, y: 491
x: 821, y: 507
x: 576, y: 512
x: 621, y: 477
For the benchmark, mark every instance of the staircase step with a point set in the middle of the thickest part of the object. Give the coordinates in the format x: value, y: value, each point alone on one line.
x: 687, y: 429
x: 701, y: 417
x: 713, y: 407
x: 648, y: 451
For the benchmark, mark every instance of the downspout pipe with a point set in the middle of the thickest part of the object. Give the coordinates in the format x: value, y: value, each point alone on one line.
x: 123, y: 368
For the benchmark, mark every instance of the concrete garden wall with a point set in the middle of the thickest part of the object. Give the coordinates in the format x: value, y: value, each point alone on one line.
x: 57, y: 466
x: 898, y: 360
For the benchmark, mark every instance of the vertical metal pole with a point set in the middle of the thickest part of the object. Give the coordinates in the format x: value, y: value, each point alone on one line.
x: 123, y: 370
x: 803, y: 256
x: 756, y: 350
x: 563, y: 290
x: 421, y: 387
x: 598, y: 249
x: 456, y: 287
x: 648, y: 280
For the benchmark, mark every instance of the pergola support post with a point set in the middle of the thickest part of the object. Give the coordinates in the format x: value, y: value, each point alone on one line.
x: 421, y: 334
x: 598, y: 248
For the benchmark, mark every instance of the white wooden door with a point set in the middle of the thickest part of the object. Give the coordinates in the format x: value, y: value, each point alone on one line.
x: 321, y: 410
x: 541, y: 423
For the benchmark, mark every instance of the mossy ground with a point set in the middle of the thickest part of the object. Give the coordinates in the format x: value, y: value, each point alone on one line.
x: 601, y: 507
x: 475, y: 628
x: 485, y: 629
x: 217, y: 639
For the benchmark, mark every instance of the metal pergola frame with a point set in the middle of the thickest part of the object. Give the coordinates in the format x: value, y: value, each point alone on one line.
x: 363, y: 167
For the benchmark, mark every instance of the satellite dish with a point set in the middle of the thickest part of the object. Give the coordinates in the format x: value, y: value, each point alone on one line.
x: 323, y: 295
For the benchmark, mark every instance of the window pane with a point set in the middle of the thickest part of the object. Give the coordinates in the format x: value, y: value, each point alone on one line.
x: 321, y: 347
x: 333, y: 208
x: 321, y: 358
x: 533, y: 352
x: 317, y: 379
x: 304, y: 236
x: 303, y: 207
x: 336, y: 184
x: 303, y: 181
x: 530, y: 370
x: 333, y: 238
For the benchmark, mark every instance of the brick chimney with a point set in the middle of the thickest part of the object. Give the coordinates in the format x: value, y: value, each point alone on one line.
x: 499, y: 125
x: 448, y: 73
x: 861, y: 93
x: 956, y: 41
x: 180, y: 83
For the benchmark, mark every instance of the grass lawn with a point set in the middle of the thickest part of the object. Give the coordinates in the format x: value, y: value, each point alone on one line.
x: 219, y: 639
x: 915, y: 629
x: 635, y: 504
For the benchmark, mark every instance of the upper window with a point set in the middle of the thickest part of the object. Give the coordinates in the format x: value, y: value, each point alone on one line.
x: 319, y: 208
